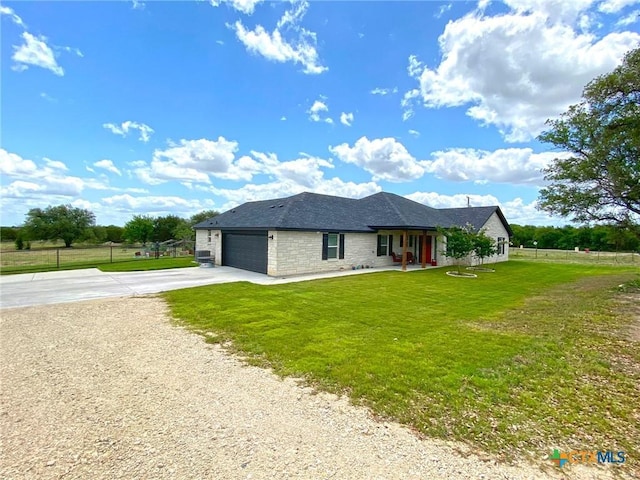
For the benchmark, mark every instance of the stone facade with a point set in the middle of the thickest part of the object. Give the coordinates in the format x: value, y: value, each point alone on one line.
x: 294, y: 253
x: 210, y: 240
x: 495, y: 229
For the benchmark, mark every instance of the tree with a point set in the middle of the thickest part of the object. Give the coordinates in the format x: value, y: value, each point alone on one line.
x: 62, y: 222
x: 460, y: 243
x: 202, y: 216
x: 8, y: 234
x: 483, y: 246
x: 600, y: 180
x: 184, y: 231
x: 114, y: 233
x: 164, y: 228
x: 138, y: 229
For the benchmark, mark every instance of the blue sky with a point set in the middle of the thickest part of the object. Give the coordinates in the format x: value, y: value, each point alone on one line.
x: 163, y: 108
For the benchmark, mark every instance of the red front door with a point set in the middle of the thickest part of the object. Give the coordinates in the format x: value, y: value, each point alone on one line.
x: 428, y: 249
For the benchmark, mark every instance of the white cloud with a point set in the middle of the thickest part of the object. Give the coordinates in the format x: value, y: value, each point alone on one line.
x: 407, y: 104
x: 516, y: 70
x: 44, y: 187
x: 195, y: 161
x: 305, y: 174
x: 516, y: 211
x: 383, y: 91
x: 35, y: 52
x: 294, y: 15
x: 316, y: 109
x: 346, y: 118
x: 55, y: 164
x: 71, y: 50
x: 629, y: 19
x: 614, y: 6
x: 137, y: 5
x: 509, y: 165
x: 385, y: 158
x: 275, y: 47
x: 145, y: 131
x: 244, y: 6
x: 283, y: 188
x: 4, y: 10
x: 152, y: 205
x: 415, y: 67
x: 554, y: 10
x: 14, y: 165
x: 26, y: 178
x: 108, y: 166
x: 443, y: 9
x: 47, y: 97
x: 437, y: 200
x: 414, y: 133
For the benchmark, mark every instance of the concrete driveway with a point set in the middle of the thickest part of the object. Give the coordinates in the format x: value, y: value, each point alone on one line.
x: 28, y: 289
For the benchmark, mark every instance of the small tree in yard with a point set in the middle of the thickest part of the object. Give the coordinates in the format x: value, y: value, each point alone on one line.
x: 483, y: 246
x: 460, y: 243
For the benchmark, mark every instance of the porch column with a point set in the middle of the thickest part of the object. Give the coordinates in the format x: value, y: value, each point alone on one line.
x: 424, y: 249
x: 405, y: 244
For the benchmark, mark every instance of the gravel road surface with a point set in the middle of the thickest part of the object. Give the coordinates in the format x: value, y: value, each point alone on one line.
x: 108, y: 389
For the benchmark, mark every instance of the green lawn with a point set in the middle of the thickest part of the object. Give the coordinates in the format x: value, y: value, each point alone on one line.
x: 145, y: 264
x: 521, y: 361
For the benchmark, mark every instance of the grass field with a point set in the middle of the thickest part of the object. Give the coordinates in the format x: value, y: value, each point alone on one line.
x: 161, y: 263
x: 571, y: 256
x: 533, y: 357
x: 47, y: 256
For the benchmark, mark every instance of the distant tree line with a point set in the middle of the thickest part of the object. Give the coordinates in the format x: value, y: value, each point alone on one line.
x: 75, y: 225
x: 598, y: 237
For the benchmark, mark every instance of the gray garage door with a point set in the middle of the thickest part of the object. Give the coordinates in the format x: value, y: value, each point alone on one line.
x: 246, y: 250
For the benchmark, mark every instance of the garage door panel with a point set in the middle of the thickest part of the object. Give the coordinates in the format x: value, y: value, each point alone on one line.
x: 247, y: 251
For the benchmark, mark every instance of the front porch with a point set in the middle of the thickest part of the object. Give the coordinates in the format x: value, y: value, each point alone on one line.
x: 410, y: 249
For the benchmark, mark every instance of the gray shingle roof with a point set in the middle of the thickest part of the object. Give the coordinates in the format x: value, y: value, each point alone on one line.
x: 312, y: 211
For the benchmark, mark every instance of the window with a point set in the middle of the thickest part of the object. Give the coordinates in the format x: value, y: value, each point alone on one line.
x: 208, y: 236
x: 382, y: 245
x: 501, y: 242
x: 332, y: 246
x: 410, y: 240
x: 385, y: 245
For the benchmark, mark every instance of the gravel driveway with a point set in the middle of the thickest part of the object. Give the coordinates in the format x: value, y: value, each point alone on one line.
x: 111, y: 389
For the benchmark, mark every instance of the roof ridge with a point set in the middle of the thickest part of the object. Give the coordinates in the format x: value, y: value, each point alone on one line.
x: 388, y: 197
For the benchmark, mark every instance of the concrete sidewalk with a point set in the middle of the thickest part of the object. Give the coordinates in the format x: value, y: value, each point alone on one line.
x: 45, y: 288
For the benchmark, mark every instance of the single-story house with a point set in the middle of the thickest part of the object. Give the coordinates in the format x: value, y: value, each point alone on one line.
x: 312, y: 233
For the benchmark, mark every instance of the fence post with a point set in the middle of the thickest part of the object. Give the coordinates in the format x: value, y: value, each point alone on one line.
x: 111, y: 254
x: 58, y: 258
